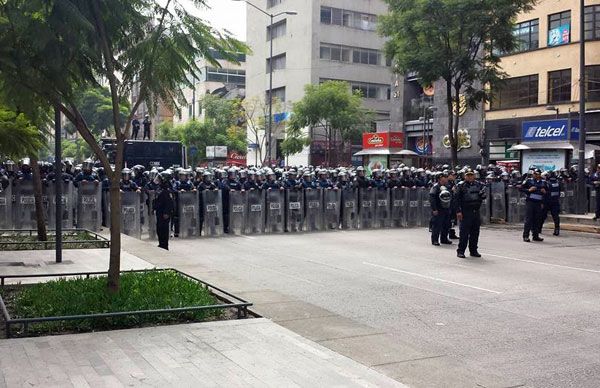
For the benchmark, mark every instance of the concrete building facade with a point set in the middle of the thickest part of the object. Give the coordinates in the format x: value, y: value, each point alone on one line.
x: 326, y: 40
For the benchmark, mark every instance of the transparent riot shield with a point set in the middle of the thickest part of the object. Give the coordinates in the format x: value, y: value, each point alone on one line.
x: 67, y: 204
x: 237, y: 212
x: 484, y: 210
x: 6, y: 217
x: 213, y: 213
x: 349, y: 208
x: 143, y: 213
x: 570, y: 201
x: 255, y: 212
x: 516, y: 205
x: 332, y: 199
x: 413, y: 216
x: 275, y: 211
x: 130, y: 214
x: 399, y: 205
x: 89, y: 202
x: 294, y: 201
x: 498, y: 197
x: 366, y: 212
x: 313, y: 210
x: 425, y: 217
x: 592, y: 202
x: 24, y: 211
x: 382, y: 208
x: 189, y: 214
x: 150, y: 216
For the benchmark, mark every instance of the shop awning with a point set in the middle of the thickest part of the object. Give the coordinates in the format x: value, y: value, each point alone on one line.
x: 385, y: 151
x: 542, y: 145
x: 406, y: 153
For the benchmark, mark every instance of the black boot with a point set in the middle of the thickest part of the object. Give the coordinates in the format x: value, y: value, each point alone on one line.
x: 556, y: 231
x: 537, y: 238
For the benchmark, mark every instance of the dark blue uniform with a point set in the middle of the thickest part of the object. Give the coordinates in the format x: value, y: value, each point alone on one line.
x: 163, y: 207
x: 552, y: 204
x: 534, y: 206
x: 469, y: 196
x: 440, y: 222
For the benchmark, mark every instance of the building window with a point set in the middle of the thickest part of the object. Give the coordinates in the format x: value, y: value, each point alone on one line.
x: 278, y: 62
x: 352, y: 19
x: 278, y: 94
x: 373, y: 91
x: 592, y: 22
x: 272, y: 3
x: 558, y: 20
x: 527, y: 35
x: 559, y: 86
x: 517, y: 92
x: 592, y: 83
x: 279, y: 29
x: 226, y: 76
x: 346, y: 54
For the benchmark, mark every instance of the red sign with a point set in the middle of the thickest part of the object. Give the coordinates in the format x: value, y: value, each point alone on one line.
x: 383, y: 140
x: 236, y: 159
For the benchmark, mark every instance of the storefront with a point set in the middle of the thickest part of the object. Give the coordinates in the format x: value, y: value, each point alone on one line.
x: 384, y: 150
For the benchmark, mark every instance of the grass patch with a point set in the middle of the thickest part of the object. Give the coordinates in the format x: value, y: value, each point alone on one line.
x: 150, y: 290
x: 72, y: 239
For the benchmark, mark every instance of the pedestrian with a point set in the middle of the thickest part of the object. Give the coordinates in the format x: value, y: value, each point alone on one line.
x: 135, y: 128
x: 440, y: 198
x: 535, y: 189
x: 147, y: 123
x: 595, y: 181
x: 470, y: 193
x: 163, y: 207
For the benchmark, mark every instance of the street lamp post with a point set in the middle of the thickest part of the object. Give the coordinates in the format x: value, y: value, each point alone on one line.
x: 553, y: 108
x: 271, y: 17
x: 582, y: 134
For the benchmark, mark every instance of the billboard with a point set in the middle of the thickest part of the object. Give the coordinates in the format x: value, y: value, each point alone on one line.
x: 559, y: 35
x: 550, y: 130
x: 545, y: 160
x: 383, y: 140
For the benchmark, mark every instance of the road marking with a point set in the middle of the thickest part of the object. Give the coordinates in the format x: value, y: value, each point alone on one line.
x: 430, y: 277
x: 543, y: 263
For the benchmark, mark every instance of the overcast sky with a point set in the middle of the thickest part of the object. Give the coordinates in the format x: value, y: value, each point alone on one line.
x: 224, y: 14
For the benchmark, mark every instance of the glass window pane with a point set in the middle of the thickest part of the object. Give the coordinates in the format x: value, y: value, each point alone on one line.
x: 326, y: 15
x: 364, y: 57
x: 345, y: 55
x: 336, y: 16
x: 356, y: 56
x: 325, y: 53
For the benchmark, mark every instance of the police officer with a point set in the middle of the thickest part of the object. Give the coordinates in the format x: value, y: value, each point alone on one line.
x: 147, y: 124
x: 535, y: 189
x: 469, y: 195
x: 595, y: 182
x: 163, y: 207
x: 127, y: 184
x: 86, y: 174
x: 440, y: 198
x: 362, y: 182
x: 552, y: 202
x: 135, y: 128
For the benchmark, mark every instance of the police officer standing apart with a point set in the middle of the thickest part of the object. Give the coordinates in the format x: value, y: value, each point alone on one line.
x: 552, y: 202
x: 440, y: 198
x: 535, y: 189
x: 595, y: 181
x: 163, y: 207
x: 469, y: 195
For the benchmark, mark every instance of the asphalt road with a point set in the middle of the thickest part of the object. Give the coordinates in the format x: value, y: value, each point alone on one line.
x: 529, y: 313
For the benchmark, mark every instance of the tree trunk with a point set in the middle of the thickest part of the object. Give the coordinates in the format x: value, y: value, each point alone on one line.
x: 451, y: 137
x: 114, y: 266
x: 39, y: 206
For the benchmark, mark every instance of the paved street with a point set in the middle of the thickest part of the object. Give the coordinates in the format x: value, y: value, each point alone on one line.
x: 524, y: 314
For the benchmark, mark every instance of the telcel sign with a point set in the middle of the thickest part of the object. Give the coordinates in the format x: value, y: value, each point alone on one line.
x: 550, y: 130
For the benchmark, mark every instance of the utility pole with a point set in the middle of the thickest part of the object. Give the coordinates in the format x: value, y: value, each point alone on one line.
x: 58, y: 182
x: 581, y: 189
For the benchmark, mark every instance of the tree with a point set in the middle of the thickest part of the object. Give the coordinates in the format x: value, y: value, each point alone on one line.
x: 95, y: 106
x: 77, y: 149
x: 334, y: 108
x: 454, y: 40
x: 256, y: 114
x: 50, y: 49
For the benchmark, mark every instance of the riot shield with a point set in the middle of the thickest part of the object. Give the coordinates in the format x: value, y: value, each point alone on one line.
x: 592, y: 202
x: 516, y: 205
x: 332, y: 199
x: 275, y: 211
x: 425, y: 217
x: 498, y: 197
x: 255, y: 212
x: 150, y: 216
x: 366, y: 212
x: 189, y: 215
x: 349, y: 208
x: 24, y: 211
x: 570, y: 200
x: 237, y: 212
x: 294, y: 201
x: 130, y: 214
x: 67, y: 204
x: 382, y: 208
x: 6, y: 217
x: 484, y: 210
x: 313, y: 210
x: 89, y: 206
x: 413, y: 216
x: 399, y: 204
x: 213, y: 213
